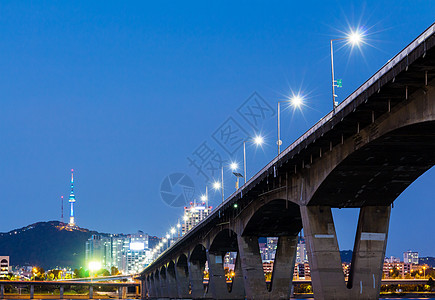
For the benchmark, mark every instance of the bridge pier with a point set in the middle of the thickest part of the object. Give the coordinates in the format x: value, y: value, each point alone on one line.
x: 182, y: 279
x: 327, y: 275
x: 163, y: 285
x: 369, y: 252
x: 61, y: 290
x: 237, y: 288
x: 252, y: 267
x: 152, y: 292
x: 283, y: 267
x: 91, y: 292
x: 121, y: 292
x: 32, y: 291
x: 2, y: 291
x: 217, y: 284
x: 196, y: 276
x: 171, y: 281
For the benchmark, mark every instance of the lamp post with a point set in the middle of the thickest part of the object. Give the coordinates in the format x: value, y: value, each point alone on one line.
x: 296, y: 101
x: 258, y: 140
x: 353, y: 38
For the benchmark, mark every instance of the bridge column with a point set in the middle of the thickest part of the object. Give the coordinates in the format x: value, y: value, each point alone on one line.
x: 237, y: 288
x: 196, y: 277
x: 217, y: 285
x: 91, y: 292
x: 283, y: 267
x: 157, y: 286
x: 32, y: 291
x: 171, y: 282
x: 181, y: 276
x: 252, y: 267
x: 120, y: 292
x: 61, y: 290
x: 327, y: 275
x: 2, y: 291
x: 152, y: 292
x: 163, y: 286
x: 369, y: 252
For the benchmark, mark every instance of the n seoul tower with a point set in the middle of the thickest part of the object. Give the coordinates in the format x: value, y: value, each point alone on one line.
x: 72, y: 199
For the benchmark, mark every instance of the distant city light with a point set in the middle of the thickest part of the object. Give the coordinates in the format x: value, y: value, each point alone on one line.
x: 172, y: 230
x: 94, y: 266
x: 203, y: 198
x: 137, y: 246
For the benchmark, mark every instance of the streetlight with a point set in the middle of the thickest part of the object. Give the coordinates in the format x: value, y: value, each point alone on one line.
x: 234, y: 166
x: 218, y: 185
x: 355, y: 37
x: 296, y: 101
x: 178, y: 228
x: 258, y: 140
x: 424, y: 274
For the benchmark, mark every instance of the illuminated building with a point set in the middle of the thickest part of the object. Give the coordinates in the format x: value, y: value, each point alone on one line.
x: 72, y: 200
x: 194, y: 214
x: 128, y: 253
x: 4, y: 266
x: 410, y: 257
x: 301, y: 251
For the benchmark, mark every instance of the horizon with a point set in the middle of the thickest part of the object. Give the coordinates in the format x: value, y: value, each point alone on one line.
x: 126, y: 94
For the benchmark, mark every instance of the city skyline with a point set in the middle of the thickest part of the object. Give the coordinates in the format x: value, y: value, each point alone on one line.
x: 125, y: 97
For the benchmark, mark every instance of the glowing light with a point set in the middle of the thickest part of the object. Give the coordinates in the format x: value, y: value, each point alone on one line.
x: 137, y: 246
x: 258, y: 140
x: 94, y: 266
x: 297, y: 101
x: 167, y: 236
x: 172, y: 230
x: 355, y: 37
x: 234, y: 166
x: 164, y: 240
x: 178, y: 225
x: 203, y: 198
x: 185, y: 218
x: 216, y: 185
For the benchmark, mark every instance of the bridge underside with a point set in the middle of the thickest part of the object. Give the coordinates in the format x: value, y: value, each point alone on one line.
x: 379, y: 172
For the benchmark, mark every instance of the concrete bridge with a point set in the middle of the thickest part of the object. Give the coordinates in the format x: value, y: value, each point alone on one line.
x: 362, y: 155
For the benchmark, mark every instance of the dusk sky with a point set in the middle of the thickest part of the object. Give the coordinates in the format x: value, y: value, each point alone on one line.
x: 127, y: 93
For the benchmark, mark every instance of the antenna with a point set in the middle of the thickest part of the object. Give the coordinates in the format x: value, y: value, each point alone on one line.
x: 61, y: 215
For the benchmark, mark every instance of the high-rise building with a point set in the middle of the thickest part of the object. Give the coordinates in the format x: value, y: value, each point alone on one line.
x: 410, y: 257
x: 72, y: 200
x: 128, y: 253
x: 301, y: 252
x: 194, y: 214
x: 4, y: 266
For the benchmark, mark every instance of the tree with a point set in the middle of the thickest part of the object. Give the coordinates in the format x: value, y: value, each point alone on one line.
x: 114, y: 270
x: 431, y: 283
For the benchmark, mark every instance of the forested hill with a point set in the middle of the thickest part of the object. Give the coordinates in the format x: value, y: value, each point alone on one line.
x: 46, y: 244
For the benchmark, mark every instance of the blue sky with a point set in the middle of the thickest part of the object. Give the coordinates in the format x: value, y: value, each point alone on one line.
x: 125, y: 92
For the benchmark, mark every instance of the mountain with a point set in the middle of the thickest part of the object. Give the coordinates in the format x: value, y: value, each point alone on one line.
x: 46, y: 244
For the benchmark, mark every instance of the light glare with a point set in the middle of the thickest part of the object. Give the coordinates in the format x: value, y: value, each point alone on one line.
x: 216, y: 185
x: 355, y: 37
x: 297, y: 101
x: 234, y: 166
x: 258, y: 140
